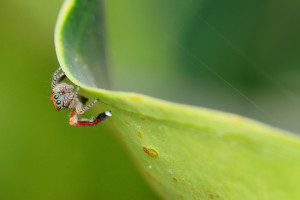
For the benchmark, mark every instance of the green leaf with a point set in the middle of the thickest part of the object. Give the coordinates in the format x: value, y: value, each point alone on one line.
x: 184, y: 152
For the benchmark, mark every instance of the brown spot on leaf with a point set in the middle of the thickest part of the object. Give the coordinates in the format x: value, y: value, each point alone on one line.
x: 152, y: 177
x: 218, y: 196
x: 180, y: 196
x: 211, y: 196
x: 151, y: 152
x: 139, y: 133
x: 142, y: 117
x: 174, y: 179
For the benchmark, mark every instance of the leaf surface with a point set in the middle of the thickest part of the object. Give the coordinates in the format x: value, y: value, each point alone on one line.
x: 184, y: 152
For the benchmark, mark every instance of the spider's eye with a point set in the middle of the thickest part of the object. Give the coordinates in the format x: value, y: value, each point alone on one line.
x: 58, y: 102
x: 59, y: 107
x: 56, y: 96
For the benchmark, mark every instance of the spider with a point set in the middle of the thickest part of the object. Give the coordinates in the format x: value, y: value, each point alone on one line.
x: 63, y: 98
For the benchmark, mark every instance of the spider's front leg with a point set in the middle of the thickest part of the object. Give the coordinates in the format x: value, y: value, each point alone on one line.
x: 57, y: 77
x: 74, y: 121
x: 78, y: 110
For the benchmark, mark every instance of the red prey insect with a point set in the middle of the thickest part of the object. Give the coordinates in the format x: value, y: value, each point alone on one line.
x: 63, y: 98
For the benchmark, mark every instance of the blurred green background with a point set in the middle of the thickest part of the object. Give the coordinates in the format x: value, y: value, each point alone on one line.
x: 236, y: 56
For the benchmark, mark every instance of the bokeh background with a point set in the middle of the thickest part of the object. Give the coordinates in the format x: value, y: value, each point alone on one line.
x: 235, y: 56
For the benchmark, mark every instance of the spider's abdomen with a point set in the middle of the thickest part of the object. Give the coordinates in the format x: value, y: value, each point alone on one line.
x: 63, y: 88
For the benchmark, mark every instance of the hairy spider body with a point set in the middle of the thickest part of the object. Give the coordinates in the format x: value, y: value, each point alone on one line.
x: 63, y: 98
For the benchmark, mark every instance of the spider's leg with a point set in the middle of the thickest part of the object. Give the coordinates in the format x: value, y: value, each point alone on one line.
x: 80, y: 110
x: 76, y: 92
x: 74, y: 121
x: 57, y: 71
x: 73, y: 118
x: 57, y: 77
x: 54, y: 77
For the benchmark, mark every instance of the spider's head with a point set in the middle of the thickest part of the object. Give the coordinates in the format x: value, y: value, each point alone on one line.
x: 57, y: 101
x: 62, y: 100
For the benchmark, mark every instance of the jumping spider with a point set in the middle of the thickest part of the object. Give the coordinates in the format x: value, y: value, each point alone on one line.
x: 63, y: 98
